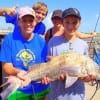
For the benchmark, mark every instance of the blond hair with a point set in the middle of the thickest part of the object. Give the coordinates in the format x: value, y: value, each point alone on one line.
x: 40, y: 6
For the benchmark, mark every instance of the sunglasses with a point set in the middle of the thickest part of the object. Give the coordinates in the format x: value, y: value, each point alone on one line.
x: 56, y: 18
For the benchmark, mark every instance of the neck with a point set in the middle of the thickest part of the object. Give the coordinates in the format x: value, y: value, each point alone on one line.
x: 28, y: 37
x: 58, y: 31
x: 58, y: 27
x: 69, y: 37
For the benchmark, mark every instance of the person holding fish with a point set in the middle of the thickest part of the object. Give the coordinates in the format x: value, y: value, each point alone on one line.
x: 68, y: 42
x: 22, y: 49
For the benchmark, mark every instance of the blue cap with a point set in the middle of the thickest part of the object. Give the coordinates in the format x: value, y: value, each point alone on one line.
x: 71, y: 11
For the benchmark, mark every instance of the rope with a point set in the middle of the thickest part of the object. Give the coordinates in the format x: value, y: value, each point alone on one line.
x: 97, y: 87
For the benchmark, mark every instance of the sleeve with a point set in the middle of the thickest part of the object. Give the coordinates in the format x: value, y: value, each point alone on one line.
x: 5, y: 52
x: 40, y: 28
x: 44, y: 51
x: 50, y: 48
x: 11, y: 19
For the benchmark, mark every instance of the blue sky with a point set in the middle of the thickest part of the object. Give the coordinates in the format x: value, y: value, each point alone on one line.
x: 89, y: 10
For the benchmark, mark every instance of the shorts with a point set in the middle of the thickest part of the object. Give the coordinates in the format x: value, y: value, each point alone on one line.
x: 23, y: 96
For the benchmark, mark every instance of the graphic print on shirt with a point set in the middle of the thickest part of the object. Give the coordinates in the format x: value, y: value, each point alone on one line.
x: 70, y: 48
x: 26, y: 56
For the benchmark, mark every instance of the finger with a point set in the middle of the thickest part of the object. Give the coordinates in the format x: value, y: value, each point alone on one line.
x: 16, y: 6
x: 46, y: 80
x: 92, y: 77
x: 43, y: 81
x: 86, y: 79
x: 21, y: 75
x: 49, y: 57
x: 25, y: 83
x: 61, y: 77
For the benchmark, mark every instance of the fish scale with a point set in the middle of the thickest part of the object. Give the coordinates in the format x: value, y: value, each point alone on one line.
x: 74, y: 64
x: 63, y: 62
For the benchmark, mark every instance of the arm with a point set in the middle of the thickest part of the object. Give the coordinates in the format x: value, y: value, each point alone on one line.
x: 83, y: 35
x: 10, y: 69
x: 9, y: 11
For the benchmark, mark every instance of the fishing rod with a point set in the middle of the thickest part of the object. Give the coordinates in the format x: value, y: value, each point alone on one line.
x: 94, y: 31
x: 97, y: 82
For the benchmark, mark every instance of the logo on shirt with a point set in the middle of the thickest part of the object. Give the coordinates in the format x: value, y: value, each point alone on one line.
x: 26, y: 56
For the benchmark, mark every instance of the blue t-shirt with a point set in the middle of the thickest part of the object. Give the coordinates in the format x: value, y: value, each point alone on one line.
x: 21, y: 53
x: 96, y: 53
x: 39, y: 28
x: 59, y: 45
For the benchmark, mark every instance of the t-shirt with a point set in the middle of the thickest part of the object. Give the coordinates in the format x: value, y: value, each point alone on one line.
x: 39, y: 28
x: 22, y: 54
x: 56, y: 46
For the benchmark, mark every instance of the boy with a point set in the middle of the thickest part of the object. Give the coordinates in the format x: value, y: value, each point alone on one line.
x: 40, y: 9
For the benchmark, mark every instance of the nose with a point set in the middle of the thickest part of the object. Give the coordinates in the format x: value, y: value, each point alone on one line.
x: 70, y: 26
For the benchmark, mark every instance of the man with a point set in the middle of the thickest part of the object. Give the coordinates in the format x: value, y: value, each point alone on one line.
x: 64, y: 43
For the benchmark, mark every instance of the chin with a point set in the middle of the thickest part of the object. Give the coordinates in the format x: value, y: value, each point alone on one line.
x: 29, y: 32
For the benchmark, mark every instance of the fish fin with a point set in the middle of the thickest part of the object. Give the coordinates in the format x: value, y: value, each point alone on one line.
x: 14, y: 82
x: 4, y: 84
x: 70, y: 81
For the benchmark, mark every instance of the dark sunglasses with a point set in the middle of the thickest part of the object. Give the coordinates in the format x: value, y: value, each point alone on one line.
x: 56, y: 18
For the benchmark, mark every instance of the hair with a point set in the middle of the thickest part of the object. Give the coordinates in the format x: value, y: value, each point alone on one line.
x: 40, y: 6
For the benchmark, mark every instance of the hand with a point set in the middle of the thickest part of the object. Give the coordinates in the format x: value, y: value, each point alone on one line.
x: 12, y: 11
x: 88, y: 78
x: 46, y: 80
x: 25, y: 80
x: 62, y: 77
x: 49, y: 57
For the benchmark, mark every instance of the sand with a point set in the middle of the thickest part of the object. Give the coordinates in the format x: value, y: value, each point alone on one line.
x: 90, y: 91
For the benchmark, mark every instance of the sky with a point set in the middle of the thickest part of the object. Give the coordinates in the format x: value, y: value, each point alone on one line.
x: 89, y: 10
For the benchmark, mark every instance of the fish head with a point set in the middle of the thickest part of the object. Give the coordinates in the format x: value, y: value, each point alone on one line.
x: 13, y: 82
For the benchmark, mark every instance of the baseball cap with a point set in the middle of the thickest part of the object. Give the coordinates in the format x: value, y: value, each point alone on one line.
x: 71, y: 11
x: 25, y: 11
x: 57, y: 13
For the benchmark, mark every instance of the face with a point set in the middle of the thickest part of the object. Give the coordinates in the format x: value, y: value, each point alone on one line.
x: 71, y: 24
x: 27, y: 24
x: 57, y: 21
x: 40, y: 15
